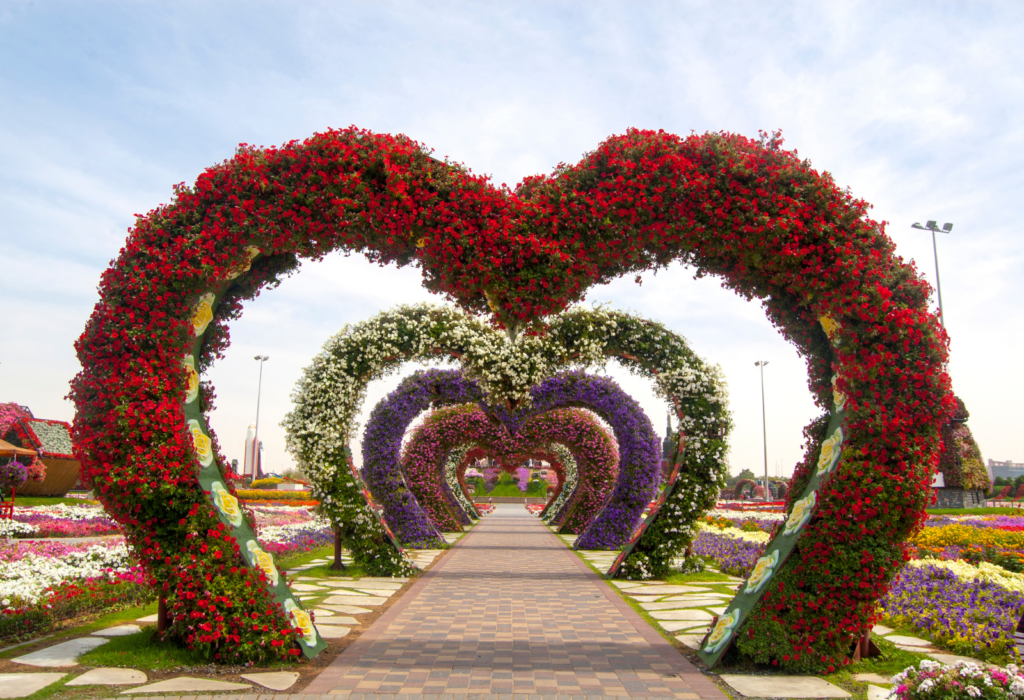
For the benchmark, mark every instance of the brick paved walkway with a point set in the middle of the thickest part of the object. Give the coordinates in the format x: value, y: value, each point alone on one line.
x: 512, y: 611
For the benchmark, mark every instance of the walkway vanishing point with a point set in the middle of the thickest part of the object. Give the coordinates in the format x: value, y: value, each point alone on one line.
x: 510, y: 612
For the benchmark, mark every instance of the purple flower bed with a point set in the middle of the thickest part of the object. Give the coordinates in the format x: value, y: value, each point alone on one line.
x: 731, y: 555
x: 998, y: 522
x: 969, y: 617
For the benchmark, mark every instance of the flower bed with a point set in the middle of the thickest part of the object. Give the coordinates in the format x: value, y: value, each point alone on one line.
x: 933, y: 681
x: 64, y: 521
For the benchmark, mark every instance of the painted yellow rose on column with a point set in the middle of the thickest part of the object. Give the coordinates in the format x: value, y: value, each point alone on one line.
x: 226, y: 503
x: 262, y: 560
x: 830, y: 450
x: 192, y: 388
x: 762, y: 573
x: 722, y: 632
x: 203, y: 444
x: 203, y: 314
x: 802, y: 511
x: 300, y: 618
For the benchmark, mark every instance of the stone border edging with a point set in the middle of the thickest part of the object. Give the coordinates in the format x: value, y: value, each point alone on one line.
x: 325, y: 681
x: 679, y: 664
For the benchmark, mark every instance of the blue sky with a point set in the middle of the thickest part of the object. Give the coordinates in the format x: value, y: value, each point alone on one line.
x: 914, y: 106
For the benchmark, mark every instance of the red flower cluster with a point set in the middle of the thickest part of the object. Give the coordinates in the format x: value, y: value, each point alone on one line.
x: 747, y: 211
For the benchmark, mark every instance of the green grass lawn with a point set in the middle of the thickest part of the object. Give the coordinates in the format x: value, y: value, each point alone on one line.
x: 50, y: 501
x: 975, y: 511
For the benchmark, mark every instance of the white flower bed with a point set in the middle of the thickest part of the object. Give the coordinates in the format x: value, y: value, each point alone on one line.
x: 12, y: 528
x: 66, y: 512
x: 27, y: 578
x: 747, y: 515
x: 284, y: 533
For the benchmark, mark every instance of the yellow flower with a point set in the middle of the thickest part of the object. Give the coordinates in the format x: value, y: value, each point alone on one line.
x: 722, y: 632
x: 203, y: 444
x: 421, y: 242
x: 830, y: 452
x: 300, y: 618
x: 763, y: 570
x: 830, y: 326
x: 262, y: 560
x: 192, y: 389
x: 203, y: 313
x: 226, y: 503
x: 802, y: 511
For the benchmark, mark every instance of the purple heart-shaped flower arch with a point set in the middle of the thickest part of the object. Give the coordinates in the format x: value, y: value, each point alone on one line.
x: 639, y: 449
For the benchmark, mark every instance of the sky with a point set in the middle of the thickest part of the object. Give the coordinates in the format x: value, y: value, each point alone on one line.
x: 915, y: 106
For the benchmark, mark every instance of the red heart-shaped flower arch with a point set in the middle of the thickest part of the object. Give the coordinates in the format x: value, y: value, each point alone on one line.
x: 765, y: 222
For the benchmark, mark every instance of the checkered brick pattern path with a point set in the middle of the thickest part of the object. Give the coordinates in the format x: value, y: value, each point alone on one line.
x: 512, y: 612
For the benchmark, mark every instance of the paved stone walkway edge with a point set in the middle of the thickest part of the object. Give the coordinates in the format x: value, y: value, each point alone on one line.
x: 693, y: 676
x: 344, y: 694
x: 330, y: 676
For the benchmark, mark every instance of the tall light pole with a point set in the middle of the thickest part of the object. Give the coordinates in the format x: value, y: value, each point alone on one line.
x: 934, y: 228
x: 764, y: 431
x: 256, y: 437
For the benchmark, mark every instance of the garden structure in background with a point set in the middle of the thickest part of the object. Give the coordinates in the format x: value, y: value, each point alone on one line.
x: 965, y: 479
x: 746, y: 211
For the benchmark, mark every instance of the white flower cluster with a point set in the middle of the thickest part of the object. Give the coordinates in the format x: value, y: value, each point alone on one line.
x: 13, y: 528
x: 962, y: 674
x: 26, y: 579
x: 451, y: 476
x: 284, y: 533
x: 66, y: 512
x: 568, y: 460
x: 747, y: 515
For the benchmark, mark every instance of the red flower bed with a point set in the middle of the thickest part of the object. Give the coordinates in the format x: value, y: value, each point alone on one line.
x: 748, y: 212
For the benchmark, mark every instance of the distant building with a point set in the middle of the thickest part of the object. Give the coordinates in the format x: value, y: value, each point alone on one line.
x: 1005, y: 469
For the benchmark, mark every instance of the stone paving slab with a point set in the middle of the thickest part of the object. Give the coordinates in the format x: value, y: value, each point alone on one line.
x: 110, y: 676
x: 509, y: 610
x: 784, y: 687
x: 119, y: 631
x: 279, y: 680
x: 21, y: 685
x: 187, y: 684
x: 61, y: 655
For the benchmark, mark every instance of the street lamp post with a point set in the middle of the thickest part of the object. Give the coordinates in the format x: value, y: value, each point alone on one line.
x: 934, y: 228
x: 256, y: 437
x: 764, y: 431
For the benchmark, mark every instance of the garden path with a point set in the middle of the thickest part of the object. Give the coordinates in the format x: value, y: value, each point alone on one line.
x: 511, y: 610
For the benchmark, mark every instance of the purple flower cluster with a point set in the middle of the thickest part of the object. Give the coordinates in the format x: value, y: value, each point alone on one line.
x: 971, y: 616
x: 999, y: 522
x: 382, y: 449
x: 732, y: 555
x: 639, y: 449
